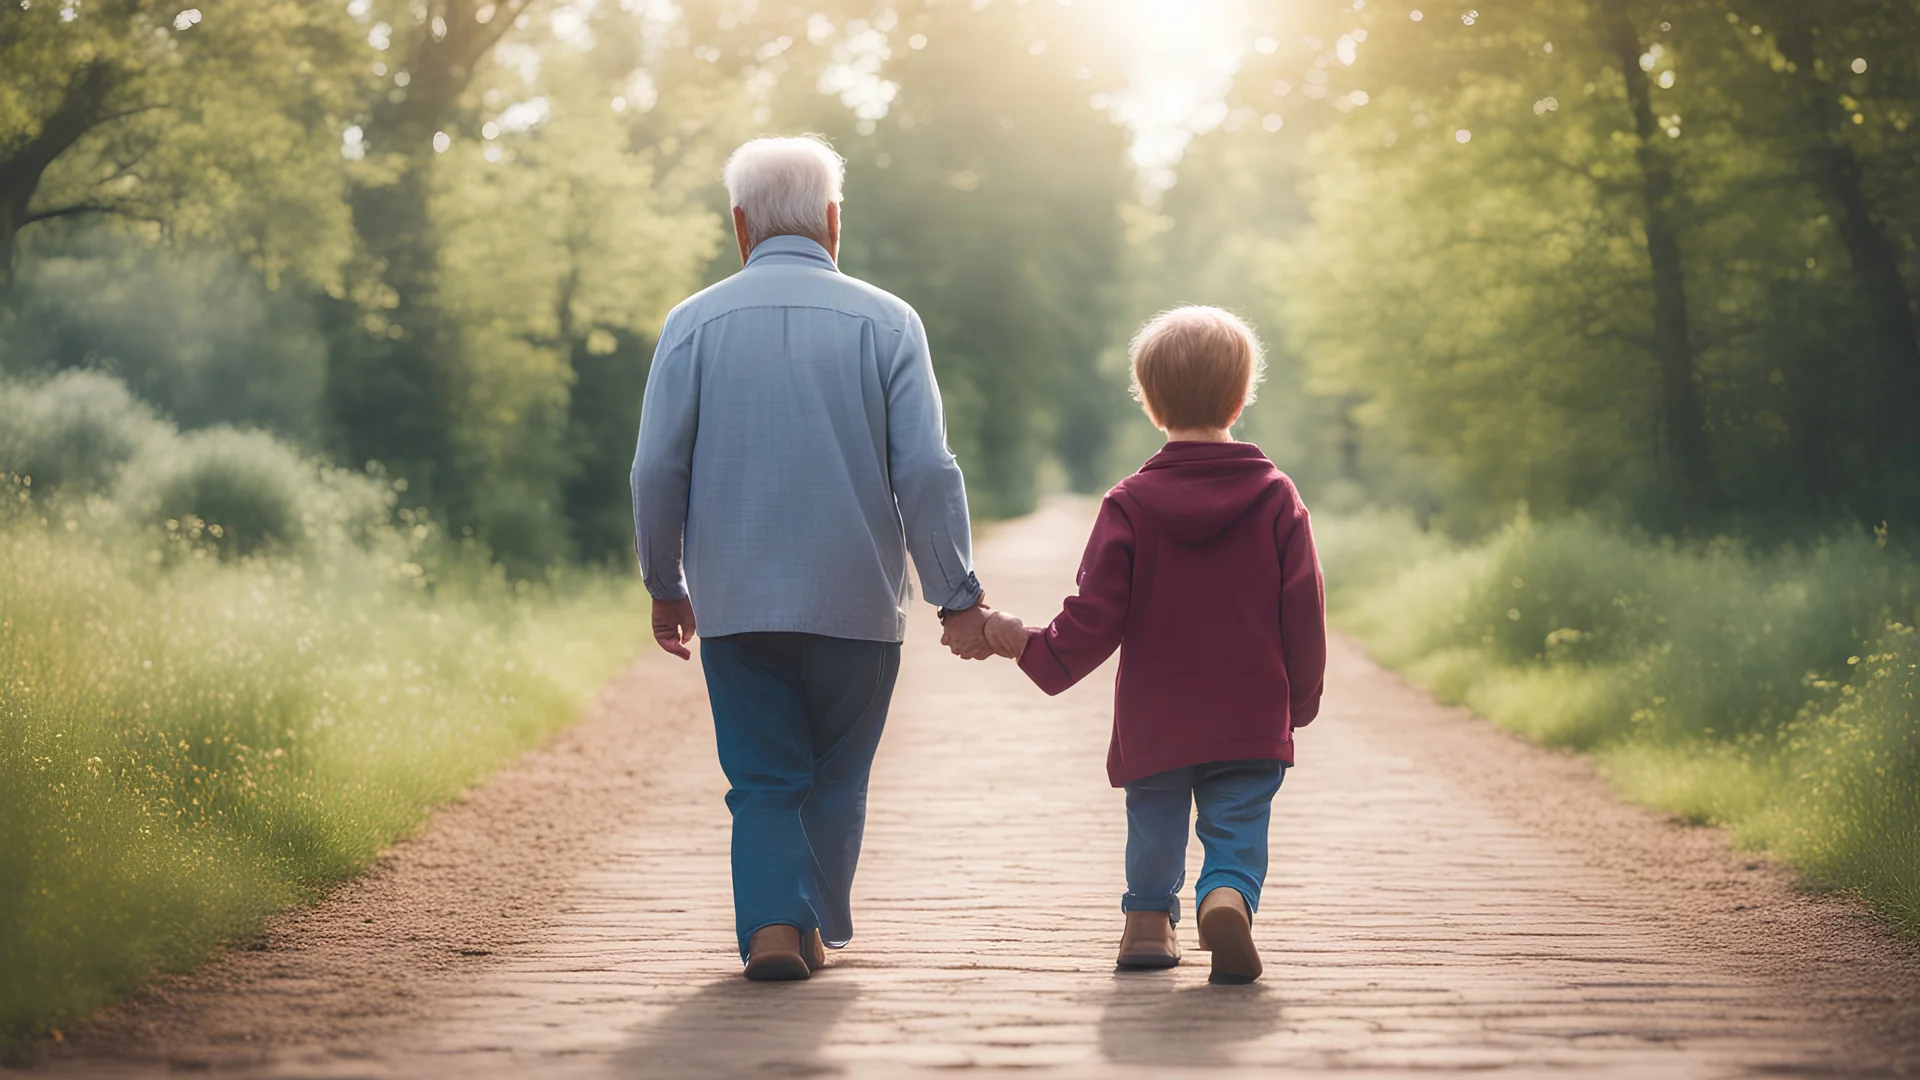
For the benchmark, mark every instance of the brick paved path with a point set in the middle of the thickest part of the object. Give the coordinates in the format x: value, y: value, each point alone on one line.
x: 1442, y: 898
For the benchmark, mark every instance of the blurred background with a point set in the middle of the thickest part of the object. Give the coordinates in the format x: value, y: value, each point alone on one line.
x: 324, y: 326
x: 1648, y: 260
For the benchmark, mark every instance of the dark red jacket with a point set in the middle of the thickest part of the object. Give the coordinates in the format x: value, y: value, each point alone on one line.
x: 1201, y: 571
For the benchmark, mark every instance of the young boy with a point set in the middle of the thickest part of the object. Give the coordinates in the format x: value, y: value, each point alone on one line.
x: 1201, y: 571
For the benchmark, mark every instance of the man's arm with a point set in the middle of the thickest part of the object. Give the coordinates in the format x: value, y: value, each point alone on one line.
x: 1090, y: 624
x: 1303, y: 616
x: 931, y: 493
x: 662, y: 482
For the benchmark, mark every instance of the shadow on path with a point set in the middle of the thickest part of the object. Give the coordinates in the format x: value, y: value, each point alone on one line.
x: 1150, y: 1020
x: 733, y: 1027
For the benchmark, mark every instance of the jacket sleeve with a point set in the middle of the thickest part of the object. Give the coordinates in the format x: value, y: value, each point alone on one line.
x: 927, y: 484
x: 1089, y: 626
x: 662, y: 475
x: 1303, y: 615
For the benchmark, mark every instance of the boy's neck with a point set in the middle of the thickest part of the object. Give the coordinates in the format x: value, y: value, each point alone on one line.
x: 1200, y: 435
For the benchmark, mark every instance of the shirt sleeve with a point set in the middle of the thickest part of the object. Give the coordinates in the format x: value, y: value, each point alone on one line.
x: 663, y: 465
x: 927, y: 485
x: 1303, y: 616
x: 1090, y: 624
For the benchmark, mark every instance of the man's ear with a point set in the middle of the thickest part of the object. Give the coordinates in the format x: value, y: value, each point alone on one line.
x: 740, y: 234
x: 833, y: 231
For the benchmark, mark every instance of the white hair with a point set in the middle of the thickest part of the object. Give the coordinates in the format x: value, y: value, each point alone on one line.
x: 784, y: 185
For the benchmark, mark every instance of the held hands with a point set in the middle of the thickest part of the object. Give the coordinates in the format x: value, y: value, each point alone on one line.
x: 965, y: 632
x: 1006, y: 634
x: 673, y: 626
x: 980, y: 632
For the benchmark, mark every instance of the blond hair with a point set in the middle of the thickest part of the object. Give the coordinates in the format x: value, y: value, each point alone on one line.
x: 1196, y: 367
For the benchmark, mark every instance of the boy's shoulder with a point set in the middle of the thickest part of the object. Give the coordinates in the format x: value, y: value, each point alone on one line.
x: 1195, y: 491
x: 1245, y: 462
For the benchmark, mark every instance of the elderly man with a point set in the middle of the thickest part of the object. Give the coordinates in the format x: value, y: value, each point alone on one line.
x: 792, y: 453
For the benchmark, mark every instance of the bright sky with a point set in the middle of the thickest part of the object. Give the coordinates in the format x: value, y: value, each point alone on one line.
x: 1185, y: 53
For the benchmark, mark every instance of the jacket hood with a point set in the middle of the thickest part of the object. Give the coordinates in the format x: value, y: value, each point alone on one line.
x: 1199, y: 489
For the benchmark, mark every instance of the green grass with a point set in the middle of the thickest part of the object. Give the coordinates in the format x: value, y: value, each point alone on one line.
x: 1770, y: 693
x: 202, y: 724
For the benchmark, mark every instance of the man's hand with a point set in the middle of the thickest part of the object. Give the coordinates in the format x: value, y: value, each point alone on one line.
x: 673, y: 626
x: 965, y: 632
x: 1006, y: 634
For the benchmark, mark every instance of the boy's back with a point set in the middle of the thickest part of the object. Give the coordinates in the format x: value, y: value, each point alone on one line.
x: 1201, y: 570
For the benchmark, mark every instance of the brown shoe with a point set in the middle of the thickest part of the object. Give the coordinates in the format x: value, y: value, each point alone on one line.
x: 773, y: 955
x: 813, y: 950
x: 1226, y: 930
x: 1148, y: 943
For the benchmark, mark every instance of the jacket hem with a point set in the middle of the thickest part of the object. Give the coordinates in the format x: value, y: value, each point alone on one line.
x: 1138, y: 767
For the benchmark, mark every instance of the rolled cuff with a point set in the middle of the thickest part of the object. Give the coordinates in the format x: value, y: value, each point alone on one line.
x: 965, y: 596
x: 1303, y: 712
x: 1042, y: 666
x: 660, y: 591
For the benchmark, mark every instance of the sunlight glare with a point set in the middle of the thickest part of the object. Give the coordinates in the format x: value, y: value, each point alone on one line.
x: 1184, y: 55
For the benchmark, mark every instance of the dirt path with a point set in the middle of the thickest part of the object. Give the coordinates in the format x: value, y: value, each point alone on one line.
x: 1443, y: 897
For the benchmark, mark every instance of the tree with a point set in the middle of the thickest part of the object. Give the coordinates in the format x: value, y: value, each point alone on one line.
x: 1684, y: 419
x: 1836, y: 167
x: 398, y: 377
x: 210, y: 124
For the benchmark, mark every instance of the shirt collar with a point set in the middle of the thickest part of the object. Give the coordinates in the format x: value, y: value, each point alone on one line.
x: 790, y: 251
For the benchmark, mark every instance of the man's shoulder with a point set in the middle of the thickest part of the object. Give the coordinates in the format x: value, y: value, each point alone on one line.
x: 759, y: 288
x: 879, y: 298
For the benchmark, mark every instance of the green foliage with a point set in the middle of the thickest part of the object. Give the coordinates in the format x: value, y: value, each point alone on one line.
x: 1773, y: 693
x: 1482, y: 282
x: 192, y: 332
x: 214, y: 125
x: 206, y: 718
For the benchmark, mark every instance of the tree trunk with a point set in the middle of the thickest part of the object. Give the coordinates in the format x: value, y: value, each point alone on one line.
x: 10, y: 220
x: 82, y: 107
x: 1837, y: 170
x: 395, y: 382
x: 1685, y: 441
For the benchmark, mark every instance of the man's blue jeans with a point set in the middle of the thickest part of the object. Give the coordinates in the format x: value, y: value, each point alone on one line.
x: 1235, y: 800
x: 797, y: 718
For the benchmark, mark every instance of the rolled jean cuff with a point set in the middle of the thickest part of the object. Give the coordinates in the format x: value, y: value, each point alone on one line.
x: 1248, y: 888
x: 1168, y: 904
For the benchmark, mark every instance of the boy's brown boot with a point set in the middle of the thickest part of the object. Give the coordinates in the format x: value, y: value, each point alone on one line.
x: 1226, y: 930
x: 773, y: 955
x: 1148, y: 942
x: 813, y: 950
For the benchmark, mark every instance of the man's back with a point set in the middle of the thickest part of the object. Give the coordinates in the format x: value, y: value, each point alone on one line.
x: 789, y: 406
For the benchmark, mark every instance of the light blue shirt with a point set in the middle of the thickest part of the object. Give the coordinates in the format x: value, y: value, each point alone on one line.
x: 793, y: 451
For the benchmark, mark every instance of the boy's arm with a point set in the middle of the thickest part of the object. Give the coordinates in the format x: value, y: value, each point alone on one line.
x: 1303, y: 616
x: 1089, y: 625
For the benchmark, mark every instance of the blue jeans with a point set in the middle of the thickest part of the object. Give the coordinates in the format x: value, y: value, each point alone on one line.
x: 1235, y: 799
x: 797, y: 718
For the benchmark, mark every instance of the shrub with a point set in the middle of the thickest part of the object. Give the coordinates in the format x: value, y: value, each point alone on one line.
x: 75, y: 432
x: 1768, y: 691
x: 199, y: 728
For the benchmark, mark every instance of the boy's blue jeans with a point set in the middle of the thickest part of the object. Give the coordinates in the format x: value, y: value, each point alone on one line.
x: 1235, y: 800
x: 797, y: 718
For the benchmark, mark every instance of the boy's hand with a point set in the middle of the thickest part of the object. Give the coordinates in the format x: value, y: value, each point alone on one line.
x: 1006, y: 634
